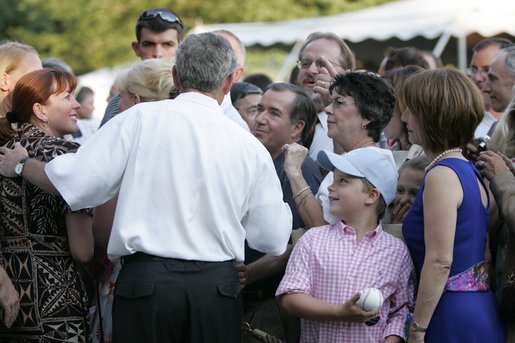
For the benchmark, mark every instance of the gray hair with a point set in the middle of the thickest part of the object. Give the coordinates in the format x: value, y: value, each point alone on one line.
x: 57, y: 64
x: 237, y: 45
x: 204, y: 62
x: 510, y: 58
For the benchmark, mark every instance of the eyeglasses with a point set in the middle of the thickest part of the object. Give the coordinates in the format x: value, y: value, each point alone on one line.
x: 337, y: 102
x: 165, y: 15
x: 472, y: 71
x: 305, y: 64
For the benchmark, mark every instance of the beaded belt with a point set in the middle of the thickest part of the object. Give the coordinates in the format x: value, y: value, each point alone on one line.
x: 474, y: 279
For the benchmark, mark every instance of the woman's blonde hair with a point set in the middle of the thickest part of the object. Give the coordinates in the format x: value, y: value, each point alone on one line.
x: 503, y: 138
x: 448, y: 105
x: 150, y: 79
x: 11, y: 54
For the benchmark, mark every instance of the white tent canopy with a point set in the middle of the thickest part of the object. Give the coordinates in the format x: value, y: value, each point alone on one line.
x: 404, y: 19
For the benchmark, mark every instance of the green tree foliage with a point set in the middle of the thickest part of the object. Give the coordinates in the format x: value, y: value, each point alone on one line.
x: 90, y: 34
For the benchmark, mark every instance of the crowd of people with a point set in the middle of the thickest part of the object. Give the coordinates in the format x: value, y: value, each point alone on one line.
x: 209, y: 207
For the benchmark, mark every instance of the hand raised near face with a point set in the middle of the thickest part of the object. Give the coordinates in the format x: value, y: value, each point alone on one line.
x: 323, y: 81
x: 294, y: 155
x: 399, y: 212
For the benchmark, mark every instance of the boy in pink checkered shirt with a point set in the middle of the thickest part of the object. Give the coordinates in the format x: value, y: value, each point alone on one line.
x: 331, y: 264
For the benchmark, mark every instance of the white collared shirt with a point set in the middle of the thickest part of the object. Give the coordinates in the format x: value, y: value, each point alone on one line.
x: 230, y: 111
x: 193, y: 185
x: 321, y: 140
x: 484, y: 126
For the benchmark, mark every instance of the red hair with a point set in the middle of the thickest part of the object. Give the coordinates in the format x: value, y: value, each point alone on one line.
x: 34, y: 87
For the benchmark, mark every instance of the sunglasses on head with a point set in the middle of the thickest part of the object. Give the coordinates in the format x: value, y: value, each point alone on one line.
x: 163, y: 14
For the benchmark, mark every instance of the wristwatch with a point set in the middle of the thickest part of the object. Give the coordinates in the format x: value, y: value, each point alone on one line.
x: 415, y: 327
x: 18, y: 169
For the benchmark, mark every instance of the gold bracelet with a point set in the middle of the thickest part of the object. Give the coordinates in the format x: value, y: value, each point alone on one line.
x: 303, y: 199
x: 300, y: 192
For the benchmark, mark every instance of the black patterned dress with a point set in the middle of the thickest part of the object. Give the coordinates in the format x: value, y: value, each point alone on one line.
x: 36, y: 255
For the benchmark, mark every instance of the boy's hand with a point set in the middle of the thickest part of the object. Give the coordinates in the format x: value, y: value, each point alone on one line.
x: 350, y: 312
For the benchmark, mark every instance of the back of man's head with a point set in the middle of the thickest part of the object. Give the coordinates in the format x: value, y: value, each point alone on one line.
x: 159, y: 20
x: 236, y: 44
x: 401, y: 57
x: 501, y: 43
x: 510, y: 59
x: 204, y: 62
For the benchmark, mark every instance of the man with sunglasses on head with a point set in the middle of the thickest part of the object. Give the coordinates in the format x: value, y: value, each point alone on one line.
x: 158, y: 34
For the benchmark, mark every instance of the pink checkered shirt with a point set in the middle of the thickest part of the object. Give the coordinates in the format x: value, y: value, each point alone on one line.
x: 328, y: 264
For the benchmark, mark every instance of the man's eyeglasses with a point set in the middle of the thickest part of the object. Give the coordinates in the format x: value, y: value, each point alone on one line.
x: 305, y: 64
x: 473, y: 71
x: 165, y: 15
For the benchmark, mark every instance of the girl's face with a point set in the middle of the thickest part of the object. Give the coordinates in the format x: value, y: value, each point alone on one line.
x: 61, y: 113
x: 408, y: 185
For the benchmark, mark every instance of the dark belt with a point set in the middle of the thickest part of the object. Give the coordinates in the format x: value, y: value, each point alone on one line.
x: 251, y: 295
x: 144, y: 257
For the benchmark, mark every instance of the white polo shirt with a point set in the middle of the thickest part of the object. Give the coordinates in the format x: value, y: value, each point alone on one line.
x: 193, y: 184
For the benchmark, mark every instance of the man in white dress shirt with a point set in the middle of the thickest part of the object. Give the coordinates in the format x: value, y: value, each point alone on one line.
x: 193, y: 185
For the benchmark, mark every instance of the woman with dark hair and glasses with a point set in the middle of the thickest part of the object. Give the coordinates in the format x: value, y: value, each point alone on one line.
x: 41, y: 238
x: 361, y: 105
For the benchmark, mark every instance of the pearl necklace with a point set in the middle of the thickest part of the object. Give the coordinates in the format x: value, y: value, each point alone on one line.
x: 440, y: 156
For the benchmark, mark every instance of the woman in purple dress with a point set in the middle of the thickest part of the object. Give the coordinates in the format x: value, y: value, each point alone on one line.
x: 446, y: 229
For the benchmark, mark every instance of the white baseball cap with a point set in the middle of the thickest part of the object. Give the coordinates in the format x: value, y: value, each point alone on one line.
x: 374, y: 164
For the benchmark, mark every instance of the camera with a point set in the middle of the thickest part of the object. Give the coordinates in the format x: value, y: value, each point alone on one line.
x: 482, y: 142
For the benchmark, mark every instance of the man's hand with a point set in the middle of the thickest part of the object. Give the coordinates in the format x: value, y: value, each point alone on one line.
x: 9, y: 301
x: 350, y: 312
x: 323, y: 81
x: 491, y: 164
x: 9, y: 158
x: 242, y: 273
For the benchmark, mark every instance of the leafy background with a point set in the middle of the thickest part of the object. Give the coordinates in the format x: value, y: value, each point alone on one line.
x: 91, y: 34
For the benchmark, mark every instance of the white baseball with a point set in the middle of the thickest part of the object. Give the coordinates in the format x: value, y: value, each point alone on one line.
x: 370, y: 299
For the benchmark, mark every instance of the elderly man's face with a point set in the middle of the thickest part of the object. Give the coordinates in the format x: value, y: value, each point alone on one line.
x: 499, y: 84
